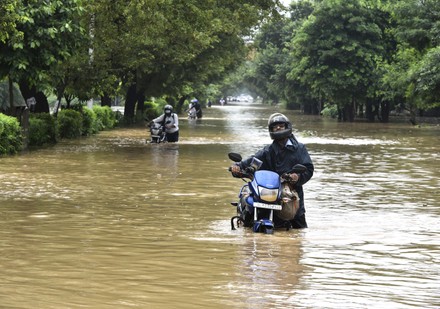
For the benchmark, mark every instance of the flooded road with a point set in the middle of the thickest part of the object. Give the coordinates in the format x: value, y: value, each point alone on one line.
x: 112, y: 222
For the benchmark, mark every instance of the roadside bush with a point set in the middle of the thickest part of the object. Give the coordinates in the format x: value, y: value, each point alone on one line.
x: 105, y: 117
x: 119, y: 117
x: 42, y: 129
x: 89, y: 119
x: 11, y: 137
x: 69, y: 123
x: 151, y: 111
x: 160, y: 104
x: 330, y: 110
x: 90, y: 122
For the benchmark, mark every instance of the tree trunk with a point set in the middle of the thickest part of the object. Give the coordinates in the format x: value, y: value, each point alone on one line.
x: 385, y: 111
x: 369, y: 110
x: 349, y: 111
x: 341, y: 114
x: 24, y: 122
x: 130, y: 103
x: 413, y: 114
x: 140, y: 98
x: 69, y: 98
x: 360, y: 110
x: 11, y: 94
x: 106, y: 100
x: 28, y: 92
x: 140, y: 102
x: 180, y: 103
x: 60, y: 94
x: 41, y: 104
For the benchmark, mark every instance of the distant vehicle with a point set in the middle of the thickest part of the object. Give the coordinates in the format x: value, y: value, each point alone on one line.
x: 245, y: 98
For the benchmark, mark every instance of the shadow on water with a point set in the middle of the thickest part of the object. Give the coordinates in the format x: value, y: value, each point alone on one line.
x: 113, y: 222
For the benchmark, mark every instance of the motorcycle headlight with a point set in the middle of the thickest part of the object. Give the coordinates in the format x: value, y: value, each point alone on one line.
x: 268, y: 195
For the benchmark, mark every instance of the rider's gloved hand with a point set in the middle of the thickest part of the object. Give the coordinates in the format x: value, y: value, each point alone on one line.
x: 235, y: 170
x: 291, y: 178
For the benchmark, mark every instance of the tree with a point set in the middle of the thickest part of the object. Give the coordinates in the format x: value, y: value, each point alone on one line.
x: 413, y: 78
x: 9, y: 16
x: 173, y: 46
x: 143, y: 48
x: 336, y: 51
x: 426, y: 78
x: 44, y: 36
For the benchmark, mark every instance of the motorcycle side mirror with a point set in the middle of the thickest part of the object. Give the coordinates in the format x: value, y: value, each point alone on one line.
x: 236, y: 157
x: 256, y: 164
x: 299, y: 168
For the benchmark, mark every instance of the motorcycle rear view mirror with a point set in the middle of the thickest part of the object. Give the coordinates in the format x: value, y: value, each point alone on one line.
x: 256, y: 164
x: 299, y: 168
x: 236, y: 157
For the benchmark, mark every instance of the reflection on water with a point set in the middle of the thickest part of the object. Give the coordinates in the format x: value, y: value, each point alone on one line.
x: 268, y: 270
x: 113, y: 222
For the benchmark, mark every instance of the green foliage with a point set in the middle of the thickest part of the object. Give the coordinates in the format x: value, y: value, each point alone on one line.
x: 69, y: 123
x: 173, y: 45
x: 95, y: 48
x: 426, y: 77
x: 105, y: 117
x: 336, y: 50
x: 417, y: 23
x: 328, y: 50
x: 90, y: 122
x: 42, y: 129
x: 330, y: 110
x: 151, y: 110
x: 9, y: 16
x: 45, y: 35
x: 89, y: 119
x: 395, y: 76
x: 11, y: 139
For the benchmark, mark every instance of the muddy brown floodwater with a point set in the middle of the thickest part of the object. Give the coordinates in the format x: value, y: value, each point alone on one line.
x: 112, y: 222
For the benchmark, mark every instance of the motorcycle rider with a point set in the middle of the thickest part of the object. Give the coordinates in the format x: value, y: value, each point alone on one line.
x: 192, y: 109
x: 280, y: 156
x: 170, y: 121
x: 195, y: 105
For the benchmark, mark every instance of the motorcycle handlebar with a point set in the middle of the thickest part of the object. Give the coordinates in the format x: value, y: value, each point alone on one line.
x: 241, y: 174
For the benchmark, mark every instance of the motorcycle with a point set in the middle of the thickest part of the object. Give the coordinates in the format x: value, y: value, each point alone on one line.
x: 192, y: 114
x: 265, y: 195
x: 157, y: 133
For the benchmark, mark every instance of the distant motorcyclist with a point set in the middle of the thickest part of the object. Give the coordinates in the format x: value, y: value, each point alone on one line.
x: 195, y: 106
x: 170, y: 121
x: 192, y: 109
x: 280, y: 156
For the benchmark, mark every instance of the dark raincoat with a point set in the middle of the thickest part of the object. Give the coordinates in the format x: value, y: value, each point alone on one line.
x: 281, y: 160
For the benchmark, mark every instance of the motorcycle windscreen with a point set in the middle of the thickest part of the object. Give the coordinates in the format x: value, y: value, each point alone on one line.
x: 267, y: 185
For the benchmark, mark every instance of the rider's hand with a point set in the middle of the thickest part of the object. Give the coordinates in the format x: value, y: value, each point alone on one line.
x: 235, y: 169
x: 292, y: 178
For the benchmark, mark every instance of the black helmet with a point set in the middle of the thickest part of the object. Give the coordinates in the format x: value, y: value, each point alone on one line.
x: 278, y: 118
